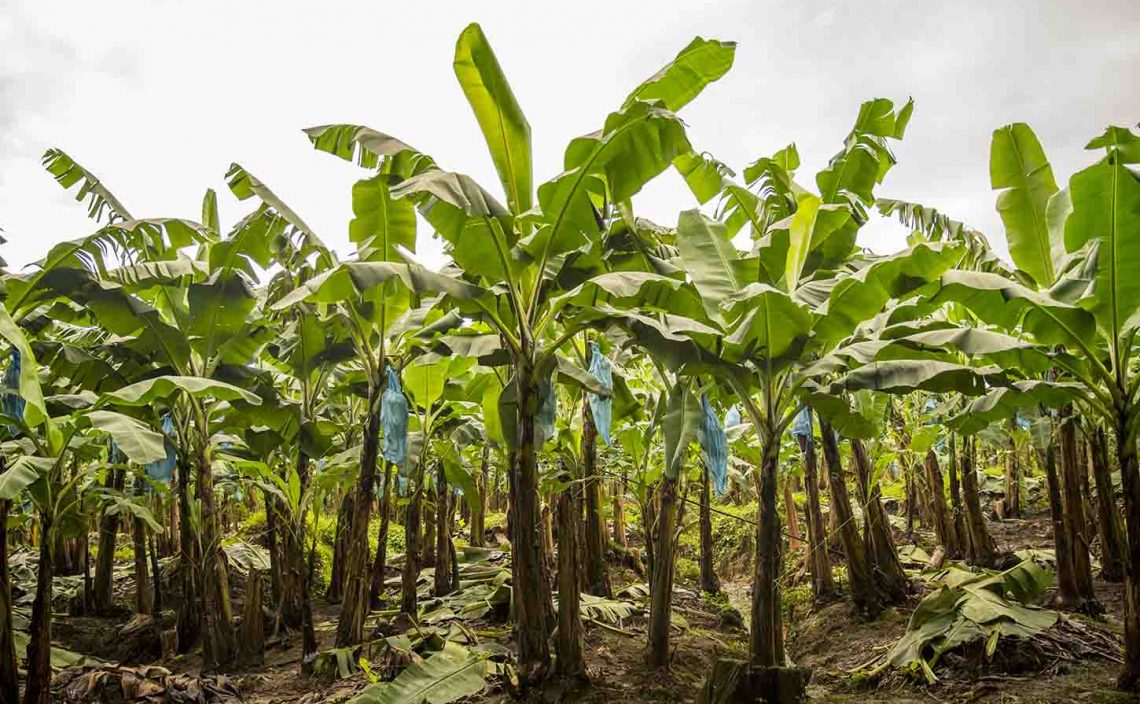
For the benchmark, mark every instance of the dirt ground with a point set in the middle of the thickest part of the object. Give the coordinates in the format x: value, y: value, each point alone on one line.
x: 831, y: 640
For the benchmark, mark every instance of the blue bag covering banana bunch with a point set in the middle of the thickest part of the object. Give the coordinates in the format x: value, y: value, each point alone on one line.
x: 714, y: 446
x: 801, y: 426
x: 394, y: 420
x: 601, y: 406
x: 163, y: 470
x: 13, y: 404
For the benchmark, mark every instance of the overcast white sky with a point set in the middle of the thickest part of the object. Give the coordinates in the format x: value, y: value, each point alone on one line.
x: 158, y: 97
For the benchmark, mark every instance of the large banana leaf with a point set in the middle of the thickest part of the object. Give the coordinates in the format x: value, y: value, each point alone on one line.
x: 350, y: 280
x: 137, y: 441
x: 852, y: 174
x: 810, y: 227
x: 634, y: 290
x: 636, y: 144
x: 906, y: 375
x: 101, y: 203
x: 1019, y: 168
x: 1007, y: 304
x: 710, y: 258
x: 20, y: 474
x: 681, y: 80
x: 163, y: 387
x: 767, y: 323
x: 365, y: 146
x: 476, y: 227
x: 1004, y: 402
x: 450, y: 674
x: 35, y: 412
x: 856, y: 298
x: 504, y: 126
x: 381, y: 223
x: 245, y: 185
x: 1106, y: 207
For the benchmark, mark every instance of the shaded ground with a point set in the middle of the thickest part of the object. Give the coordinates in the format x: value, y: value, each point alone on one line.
x: 830, y: 639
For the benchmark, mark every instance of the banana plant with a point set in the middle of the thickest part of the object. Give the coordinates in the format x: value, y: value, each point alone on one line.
x: 196, y: 320
x: 515, y: 258
x: 47, y: 440
x: 1084, y: 325
x: 759, y: 320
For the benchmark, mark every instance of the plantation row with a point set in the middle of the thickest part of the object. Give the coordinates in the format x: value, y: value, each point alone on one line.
x: 571, y: 356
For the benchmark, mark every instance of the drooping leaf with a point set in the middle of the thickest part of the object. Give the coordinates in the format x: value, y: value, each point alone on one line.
x: 137, y: 441
x: 20, y: 474
x: 163, y: 387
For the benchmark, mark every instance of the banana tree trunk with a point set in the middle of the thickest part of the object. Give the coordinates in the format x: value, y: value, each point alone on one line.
x: 863, y: 591
x: 276, y: 546
x: 709, y: 581
x: 292, y: 557
x: 144, y: 596
x: 37, y: 689
x: 357, y: 575
x: 1012, y: 499
x: 219, y: 644
x: 479, y: 515
x: 308, y: 631
x: 430, y: 523
x: 156, y: 572
x: 617, y: 496
x: 9, y: 675
x: 105, y: 559
x: 532, y: 602
x: 911, y: 496
x: 661, y: 578
x: 960, y: 532
x: 568, y: 643
x: 443, y: 546
x: 597, y: 579
x: 334, y: 593
x: 943, y: 522
x: 1130, y: 479
x: 380, y: 562
x: 819, y: 562
x: 766, y: 644
x: 189, y: 609
x: 879, y: 546
x: 88, y: 587
x: 1075, y: 523
x: 1111, y: 533
x: 648, y: 521
x: 983, y: 551
x: 412, y: 539
x: 794, y: 541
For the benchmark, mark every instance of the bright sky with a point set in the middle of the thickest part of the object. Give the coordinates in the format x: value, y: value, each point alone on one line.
x: 159, y: 97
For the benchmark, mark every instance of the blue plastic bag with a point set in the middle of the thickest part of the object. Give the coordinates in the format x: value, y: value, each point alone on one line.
x: 801, y: 426
x: 601, y: 406
x: 714, y: 446
x: 13, y: 404
x: 732, y: 418
x: 394, y: 420
x: 163, y: 470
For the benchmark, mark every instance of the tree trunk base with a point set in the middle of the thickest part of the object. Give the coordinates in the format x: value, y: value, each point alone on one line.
x: 734, y: 682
